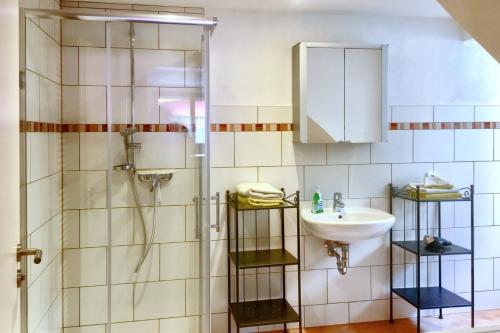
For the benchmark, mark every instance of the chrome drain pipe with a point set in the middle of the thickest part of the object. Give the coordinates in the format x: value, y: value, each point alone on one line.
x: 333, y: 248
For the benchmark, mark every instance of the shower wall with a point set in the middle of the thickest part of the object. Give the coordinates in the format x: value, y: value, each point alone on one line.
x: 163, y: 297
x: 41, y: 126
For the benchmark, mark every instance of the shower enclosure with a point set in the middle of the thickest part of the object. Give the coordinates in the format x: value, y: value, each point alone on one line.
x: 115, y: 171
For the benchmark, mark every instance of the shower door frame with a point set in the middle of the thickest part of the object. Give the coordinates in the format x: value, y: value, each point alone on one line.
x: 209, y: 24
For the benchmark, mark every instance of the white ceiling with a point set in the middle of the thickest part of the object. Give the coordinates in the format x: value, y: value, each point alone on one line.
x: 415, y: 8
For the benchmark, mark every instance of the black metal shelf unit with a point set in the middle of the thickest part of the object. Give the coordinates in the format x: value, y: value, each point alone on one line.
x: 423, y: 298
x: 247, y: 313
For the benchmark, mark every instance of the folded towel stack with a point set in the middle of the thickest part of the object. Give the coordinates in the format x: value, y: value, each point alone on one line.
x: 435, y: 188
x: 259, y: 195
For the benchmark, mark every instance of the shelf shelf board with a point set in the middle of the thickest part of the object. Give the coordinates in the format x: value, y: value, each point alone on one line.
x: 264, y: 258
x: 265, y: 312
x: 411, y: 246
x: 432, y: 298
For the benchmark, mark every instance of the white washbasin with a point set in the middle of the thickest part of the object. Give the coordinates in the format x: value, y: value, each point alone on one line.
x: 355, y: 223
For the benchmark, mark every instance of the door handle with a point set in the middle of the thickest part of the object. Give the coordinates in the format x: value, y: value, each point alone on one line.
x: 20, y: 253
x: 196, y: 218
x: 216, y: 226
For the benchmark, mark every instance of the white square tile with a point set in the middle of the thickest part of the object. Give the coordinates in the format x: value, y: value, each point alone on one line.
x: 403, y: 174
x: 124, y: 261
x: 398, y: 149
x: 146, y: 35
x: 314, y: 285
x: 249, y: 152
x: 84, y: 105
x: 170, y: 226
x: 192, y: 69
x: 290, y: 178
x: 406, y: 114
x: 222, y: 179
x: 55, y: 152
x: 487, y: 113
x: 93, y: 305
x: 183, y: 324
x: 482, y: 281
x: 474, y: 145
x: 348, y: 153
x: 301, y: 154
x: 218, y: 262
x: 274, y: 114
x: 122, y: 300
x: 71, y: 307
x: 157, y: 68
x: 487, y: 177
x: 222, y: 149
x: 368, y: 311
x: 229, y: 114
x: 177, y: 105
x: 50, y: 101
x: 93, y: 227
x: 183, y: 256
x: 93, y: 64
x: 161, y: 150
x: 84, y: 189
x: 453, y: 113
x: 84, y: 267
x: 369, y: 180
x: 144, y: 326
x: 120, y: 105
x: 459, y: 174
x: 486, y: 243
x: 433, y: 146
x: 71, y: 237
x: 496, y: 273
x: 330, y: 179
x: 180, y: 37
x: 380, y: 282
x: 69, y: 65
x: 328, y: 314
x: 71, y: 151
x: 496, y: 144
x: 39, y: 155
x: 147, y: 108
x: 354, y: 286
x: 193, y: 297
x: 86, y: 329
x: 94, y: 151
x: 32, y: 96
x: 122, y: 226
x: 369, y: 252
x: 83, y: 33
x: 151, y: 299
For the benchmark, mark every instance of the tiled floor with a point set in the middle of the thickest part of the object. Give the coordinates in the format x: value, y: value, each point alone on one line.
x: 429, y: 324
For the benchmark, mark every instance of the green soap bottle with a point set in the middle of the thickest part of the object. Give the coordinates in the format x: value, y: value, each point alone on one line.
x: 317, y: 202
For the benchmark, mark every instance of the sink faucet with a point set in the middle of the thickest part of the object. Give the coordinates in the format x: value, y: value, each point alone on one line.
x: 338, y: 204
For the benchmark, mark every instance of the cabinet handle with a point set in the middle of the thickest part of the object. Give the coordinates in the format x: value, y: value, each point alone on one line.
x: 216, y: 226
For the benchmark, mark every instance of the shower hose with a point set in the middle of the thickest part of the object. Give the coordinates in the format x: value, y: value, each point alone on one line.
x: 147, y: 246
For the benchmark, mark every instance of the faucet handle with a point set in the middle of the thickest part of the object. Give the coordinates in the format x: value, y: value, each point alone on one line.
x: 337, y: 196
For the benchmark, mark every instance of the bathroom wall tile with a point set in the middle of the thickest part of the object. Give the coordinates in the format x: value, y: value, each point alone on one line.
x: 180, y: 37
x: 330, y: 178
x: 93, y: 305
x: 369, y: 252
x: 403, y: 174
x: 369, y: 180
x: 171, y: 225
x: 50, y: 101
x: 122, y: 226
x: 84, y: 267
x: 474, y: 145
x: 356, y: 286
x: 301, y: 154
x: 348, y: 153
x: 398, y: 149
x: 120, y: 105
x: 84, y: 105
x: 482, y: 281
x: 315, y: 254
x: 71, y: 149
x: 124, y: 261
x: 92, y: 64
x: 192, y: 63
x: 221, y: 149
x: 193, y: 297
x: 43, y: 201
x: 290, y: 178
x: 86, y: 329
x: 150, y: 299
x: 459, y: 174
x: 39, y: 155
x: 145, y: 326
x: 487, y: 113
x: 314, y: 284
x: 248, y: 150
x: 182, y: 256
x: 222, y: 179
x: 32, y: 96
x: 218, y: 261
x: 483, y: 211
x: 327, y: 314
x: 228, y: 114
x: 177, y: 105
x: 93, y: 227
x: 433, y: 146
x: 84, y: 189
x: 380, y: 282
x: 94, y: 151
x: 146, y: 35
x: 146, y: 102
x: 69, y: 65
x: 405, y: 114
x: 122, y: 300
x: 368, y: 311
x: 274, y: 114
x: 157, y: 68
x: 496, y: 144
x: 453, y: 113
x: 83, y: 33
x: 496, y: 273
x: 161, y: 150
x: 71, y: 307
x: 48, y: 239
x: 487, y: 300
x: 71, y: 236
x: 487, y: 177
x: 486, y: 244
x: 184, y: 324
x: 218, y: 286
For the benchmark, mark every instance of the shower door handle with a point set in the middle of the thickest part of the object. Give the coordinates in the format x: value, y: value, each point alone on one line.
x: 216, y: 226
x: 196, y: 217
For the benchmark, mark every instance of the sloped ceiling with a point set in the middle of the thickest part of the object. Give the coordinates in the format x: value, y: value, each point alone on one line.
x: 480, y: 18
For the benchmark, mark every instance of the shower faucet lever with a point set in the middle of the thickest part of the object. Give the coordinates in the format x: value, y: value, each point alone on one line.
x: 20, y: 253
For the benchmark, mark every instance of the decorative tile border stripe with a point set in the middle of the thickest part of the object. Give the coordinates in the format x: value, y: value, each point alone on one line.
x: 444, y: 125
x: 120, y: 127
x: 37, y: 126
x: 251, y: 127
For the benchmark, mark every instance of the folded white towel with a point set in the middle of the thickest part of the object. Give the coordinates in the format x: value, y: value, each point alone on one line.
x: 259, y: 190
x: 432, y: 180
x: 429, y: 190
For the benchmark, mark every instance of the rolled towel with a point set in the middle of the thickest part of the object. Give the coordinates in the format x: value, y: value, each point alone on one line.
x: 259, y: 190
x: 259, y: 202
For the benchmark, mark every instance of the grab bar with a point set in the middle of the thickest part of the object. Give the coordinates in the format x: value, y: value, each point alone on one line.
x: 216, y: 226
